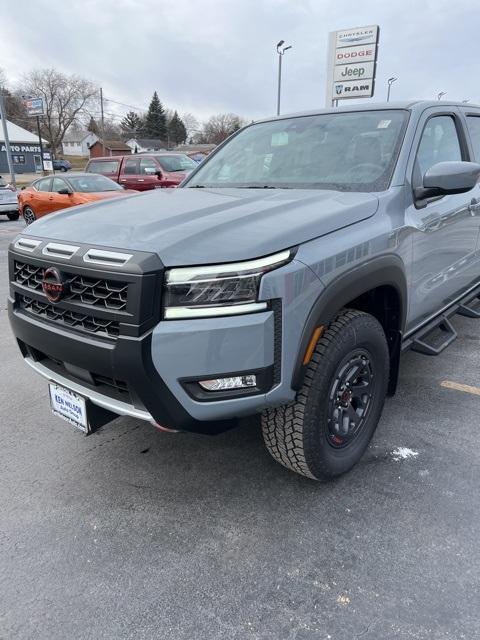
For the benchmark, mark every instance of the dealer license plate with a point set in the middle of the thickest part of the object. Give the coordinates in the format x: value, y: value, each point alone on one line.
x: 70, y: 406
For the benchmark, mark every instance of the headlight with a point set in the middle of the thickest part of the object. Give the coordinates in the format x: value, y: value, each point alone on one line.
x: 218, y: 290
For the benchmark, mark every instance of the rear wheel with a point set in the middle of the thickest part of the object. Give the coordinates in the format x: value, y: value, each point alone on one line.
x: 13, y: 216
x: 327, y: 429
x: 29, y: 215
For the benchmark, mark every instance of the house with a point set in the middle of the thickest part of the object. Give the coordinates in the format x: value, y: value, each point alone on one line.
x: 109, y: 148
x: 141, y: 145
x: 78, y: 143
x: 25, y: 150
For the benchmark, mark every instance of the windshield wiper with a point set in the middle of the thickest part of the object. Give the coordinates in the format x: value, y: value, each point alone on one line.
x: 197, y: 186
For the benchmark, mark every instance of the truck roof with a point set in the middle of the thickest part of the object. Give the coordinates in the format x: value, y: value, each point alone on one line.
x: 410, y: 105
x: 143, y: 153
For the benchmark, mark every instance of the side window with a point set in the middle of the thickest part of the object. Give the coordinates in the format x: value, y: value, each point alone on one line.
x: 473, y: 124
x: 148, y: 166
x: 58, y: 184
x: 130, y: 167
x: 439, y: 143
x: 43, y: 185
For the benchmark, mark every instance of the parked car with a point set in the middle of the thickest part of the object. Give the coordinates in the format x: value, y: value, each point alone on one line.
x: 47, y: 195
x: 287, y: 288
x: 62, y: 165
x: 144, y: 172
x: 8, y: 200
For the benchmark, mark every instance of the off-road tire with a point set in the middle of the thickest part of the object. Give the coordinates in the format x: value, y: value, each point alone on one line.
x: 299, y: 435
x: 13, y: 216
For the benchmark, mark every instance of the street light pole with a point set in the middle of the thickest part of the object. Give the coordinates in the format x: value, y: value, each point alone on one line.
x: 390, y: 82
x: 280, y: 50
x: 441, y: 94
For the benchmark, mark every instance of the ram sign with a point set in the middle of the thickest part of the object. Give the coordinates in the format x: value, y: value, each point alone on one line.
x: 352, y: 59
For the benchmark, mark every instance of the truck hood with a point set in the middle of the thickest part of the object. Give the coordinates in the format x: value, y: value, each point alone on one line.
x: 200, y: 226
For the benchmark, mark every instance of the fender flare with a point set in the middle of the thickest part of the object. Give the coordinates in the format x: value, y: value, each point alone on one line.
x: 388, y: 270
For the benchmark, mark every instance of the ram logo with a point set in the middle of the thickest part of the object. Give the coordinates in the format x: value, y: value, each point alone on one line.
x: 338, y: 89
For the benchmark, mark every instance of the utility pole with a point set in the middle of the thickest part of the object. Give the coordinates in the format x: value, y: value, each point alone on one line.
x: 102, y: 121
x: 7, y: 141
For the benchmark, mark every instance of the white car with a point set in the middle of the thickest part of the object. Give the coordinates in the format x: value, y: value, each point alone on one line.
x: 8, y: 200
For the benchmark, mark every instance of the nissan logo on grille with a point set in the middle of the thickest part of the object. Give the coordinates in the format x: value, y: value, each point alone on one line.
x: 53, y: 284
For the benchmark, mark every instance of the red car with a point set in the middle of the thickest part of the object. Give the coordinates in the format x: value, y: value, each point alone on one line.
x: 47, y: 195
x: 142, y: 171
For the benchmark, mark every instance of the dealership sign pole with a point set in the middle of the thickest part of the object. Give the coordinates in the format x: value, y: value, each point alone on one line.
x: 351, y: 64
x: 34, y: 107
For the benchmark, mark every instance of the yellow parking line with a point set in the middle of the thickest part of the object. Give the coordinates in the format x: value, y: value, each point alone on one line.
x: 448, y: 384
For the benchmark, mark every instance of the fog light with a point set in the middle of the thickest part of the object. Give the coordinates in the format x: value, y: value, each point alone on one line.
x: 236, y: 382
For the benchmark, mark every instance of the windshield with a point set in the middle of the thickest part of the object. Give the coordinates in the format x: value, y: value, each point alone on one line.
x: 353, y: 151
x: 93, y: 183
x: 177, y: 163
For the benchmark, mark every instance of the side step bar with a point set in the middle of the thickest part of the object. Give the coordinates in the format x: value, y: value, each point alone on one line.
x: 470, y: 309
x: 439, y: 333
x: 435, y: 339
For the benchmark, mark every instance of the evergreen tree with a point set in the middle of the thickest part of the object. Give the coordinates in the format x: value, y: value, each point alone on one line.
x: 131, y: 123
x: 177, y: 132
x: 155, y: 122
x: 93, y: 126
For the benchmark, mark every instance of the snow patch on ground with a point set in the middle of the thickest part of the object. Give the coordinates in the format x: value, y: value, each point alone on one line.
x: 403, y: 453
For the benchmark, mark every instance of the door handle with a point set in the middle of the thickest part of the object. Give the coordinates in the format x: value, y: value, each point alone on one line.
x: 141, y: 180
x: 123, y: 180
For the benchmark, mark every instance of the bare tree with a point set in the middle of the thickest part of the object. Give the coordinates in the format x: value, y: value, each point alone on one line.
x: 191, y: 124
x: 219, y: 127
x: 65, y: 98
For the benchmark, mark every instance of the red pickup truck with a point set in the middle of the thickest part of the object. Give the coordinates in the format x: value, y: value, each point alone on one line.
x: 142, y: 171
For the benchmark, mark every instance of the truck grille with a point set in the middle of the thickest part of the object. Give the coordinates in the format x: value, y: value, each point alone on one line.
x: 71, y: 319
x: 95, y: 292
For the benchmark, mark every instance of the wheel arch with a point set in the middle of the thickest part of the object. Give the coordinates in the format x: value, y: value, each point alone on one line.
x: 378, y: 287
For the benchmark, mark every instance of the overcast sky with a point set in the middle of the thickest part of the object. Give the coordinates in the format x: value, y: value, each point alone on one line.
x: 211, y: 56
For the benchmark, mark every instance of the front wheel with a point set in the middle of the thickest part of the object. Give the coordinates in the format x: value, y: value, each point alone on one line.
x: 327, y: 429
x: 13, y: 216
x: 29, y: 215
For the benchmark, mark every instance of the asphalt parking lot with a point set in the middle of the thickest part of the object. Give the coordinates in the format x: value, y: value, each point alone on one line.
x: 132, y: 533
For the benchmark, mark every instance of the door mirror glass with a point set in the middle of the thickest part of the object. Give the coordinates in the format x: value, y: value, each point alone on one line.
x: 445, y: 178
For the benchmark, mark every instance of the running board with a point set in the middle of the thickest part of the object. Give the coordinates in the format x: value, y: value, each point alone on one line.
x: 470, y: 309
x: 435, y: 339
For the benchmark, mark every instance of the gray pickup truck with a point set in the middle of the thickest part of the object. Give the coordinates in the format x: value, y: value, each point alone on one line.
x: 283, y: 278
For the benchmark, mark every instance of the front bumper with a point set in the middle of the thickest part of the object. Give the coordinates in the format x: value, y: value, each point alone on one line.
x: 119, y: 377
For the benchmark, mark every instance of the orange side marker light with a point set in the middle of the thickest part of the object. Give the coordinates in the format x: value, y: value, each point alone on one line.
x: 317, y: 334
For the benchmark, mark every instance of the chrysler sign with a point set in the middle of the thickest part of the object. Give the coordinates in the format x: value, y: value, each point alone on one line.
x: 352, y: 57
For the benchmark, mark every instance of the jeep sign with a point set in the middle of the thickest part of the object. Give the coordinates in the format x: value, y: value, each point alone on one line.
x: 354, y: 71
x: 352, y: 57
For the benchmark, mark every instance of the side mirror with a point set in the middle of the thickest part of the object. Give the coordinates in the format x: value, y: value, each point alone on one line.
x: 446, y: 178
x: 64, y: 192
x: 159, y: 174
